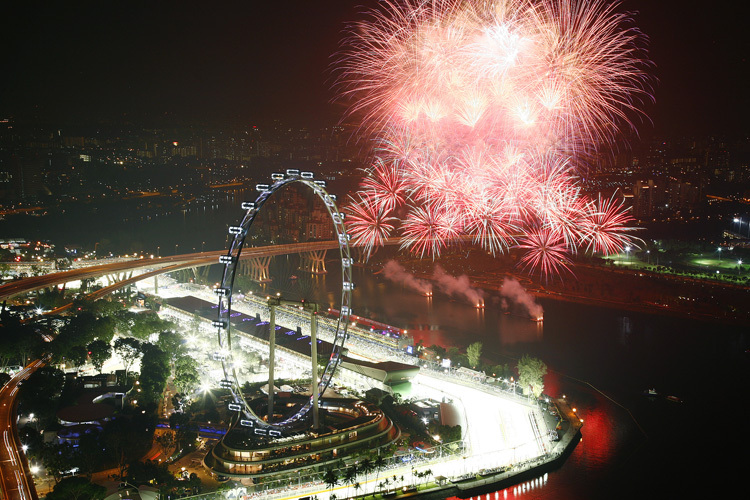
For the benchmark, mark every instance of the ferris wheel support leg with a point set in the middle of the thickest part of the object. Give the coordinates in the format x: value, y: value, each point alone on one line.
x: 314, y: 359
x: 272, y: 348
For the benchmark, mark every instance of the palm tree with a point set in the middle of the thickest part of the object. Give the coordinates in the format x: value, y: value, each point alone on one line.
x: 366, y: 466
x: 330, y: 478
x: 419, y: 476
x: 379, y: 465
x: 350, y: 475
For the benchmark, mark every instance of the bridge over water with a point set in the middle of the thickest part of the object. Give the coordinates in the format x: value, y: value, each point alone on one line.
x: 313, y: 251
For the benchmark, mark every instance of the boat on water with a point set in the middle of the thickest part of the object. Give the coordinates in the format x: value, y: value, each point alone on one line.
x: 651, y: 393
x: 536, y: 319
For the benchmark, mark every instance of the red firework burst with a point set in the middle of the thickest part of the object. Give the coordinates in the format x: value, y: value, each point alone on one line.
x: 546, y: 252
x: 480, y: 109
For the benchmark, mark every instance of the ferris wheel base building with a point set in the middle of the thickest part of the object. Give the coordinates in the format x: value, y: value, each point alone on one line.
x: 348, y: 427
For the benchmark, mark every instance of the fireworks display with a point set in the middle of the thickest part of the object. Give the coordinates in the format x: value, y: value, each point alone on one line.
x: 483, y: 113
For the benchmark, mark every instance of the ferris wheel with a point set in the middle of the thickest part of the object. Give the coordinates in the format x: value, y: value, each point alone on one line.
x: 225, y: 293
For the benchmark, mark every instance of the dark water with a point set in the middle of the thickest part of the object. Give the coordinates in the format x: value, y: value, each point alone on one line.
x: 601, y: 359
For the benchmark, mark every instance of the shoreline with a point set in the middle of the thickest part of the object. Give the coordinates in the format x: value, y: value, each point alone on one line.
x: 609, y: 276
x: 479, y: 485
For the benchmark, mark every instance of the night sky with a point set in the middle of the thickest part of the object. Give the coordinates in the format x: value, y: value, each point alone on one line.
x: 247, y: 61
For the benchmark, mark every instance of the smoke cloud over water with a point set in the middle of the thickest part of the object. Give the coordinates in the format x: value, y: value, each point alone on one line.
x: 457, y: 286
x: 398, y: 274
x: 513, y: 292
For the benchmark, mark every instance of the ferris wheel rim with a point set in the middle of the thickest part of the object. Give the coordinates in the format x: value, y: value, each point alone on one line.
x: 226, y: 292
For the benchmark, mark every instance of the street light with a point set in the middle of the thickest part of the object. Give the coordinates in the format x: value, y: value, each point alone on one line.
x: 739, y: 266
x: 719, y: 250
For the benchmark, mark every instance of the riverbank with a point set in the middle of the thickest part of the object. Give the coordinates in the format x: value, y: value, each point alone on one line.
x: 613, y: 287
x: 490, y: 481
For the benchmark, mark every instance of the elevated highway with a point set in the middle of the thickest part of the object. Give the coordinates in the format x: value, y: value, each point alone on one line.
x: 163, y: 265
x: 156, y: 266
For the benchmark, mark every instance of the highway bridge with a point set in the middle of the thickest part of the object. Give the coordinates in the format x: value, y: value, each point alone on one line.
x: 161, y: 265
x: 155, y: 266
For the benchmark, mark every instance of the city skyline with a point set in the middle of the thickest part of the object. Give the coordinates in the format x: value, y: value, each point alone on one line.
x: 241, y: 62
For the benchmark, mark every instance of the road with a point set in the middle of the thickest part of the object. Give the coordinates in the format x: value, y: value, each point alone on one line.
x: 498, y: 432
x: 14, y: 469
x: 166, y: 264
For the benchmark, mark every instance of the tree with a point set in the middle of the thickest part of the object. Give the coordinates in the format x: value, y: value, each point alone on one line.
x: 500, y: 371
x: 40, y: 392
x: 18, y: 341
x: 29, y: 345
x: 447, y: 433
x: 366, y: 466
x: 427, y: 473
x: 350, y: 475
x: 171, y: 343
x: 88, y: 456
x: 104, y: 308
x: 32, y: 439
x: 186, y: 376
x: 143, y: 325
x: 330, y: 478
x: 474, y: 353
x: 167, y: 440
x: 57, y: 459
x: 150, y: 472
x: 129, y: 351
x: 531, y: 372
x: 438, y: 350
x: 379, y: 465
x: 77, y: 488
x: 99, y: 353
x: 73, y: 338
x: 457, y: 359
x: 51, y: 298
x: 126, y: 439
x: 154, y: 372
